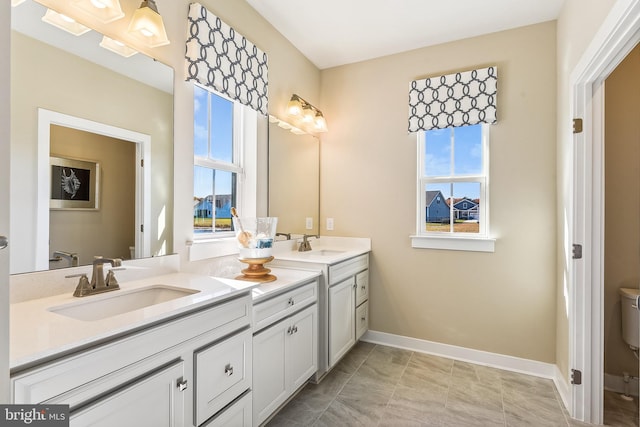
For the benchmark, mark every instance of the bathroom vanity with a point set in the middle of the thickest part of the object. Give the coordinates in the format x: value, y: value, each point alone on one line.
x: 185, y: 361
x: 343, y: 296
x: 175, y: 349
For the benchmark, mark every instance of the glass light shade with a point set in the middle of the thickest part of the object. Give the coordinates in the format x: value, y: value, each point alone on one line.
x: 320, y: 123
x: 117, y: 47
x: 147, y: 26
x: 64, y: 23
x: 103, y: 10
x: 294, y: 108
x: 308, y: 114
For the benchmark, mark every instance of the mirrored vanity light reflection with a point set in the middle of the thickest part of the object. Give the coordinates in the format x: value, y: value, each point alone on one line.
x: 71, y: 84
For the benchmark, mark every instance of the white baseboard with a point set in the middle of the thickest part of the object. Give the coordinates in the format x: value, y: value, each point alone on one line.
x: 616, y: 383
x: 479, y: 357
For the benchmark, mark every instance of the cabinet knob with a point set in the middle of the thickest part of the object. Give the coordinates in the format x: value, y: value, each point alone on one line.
x: 363, y: 287
x: 295, y: 329
x: 291, y: 301
x: 228, y: 370
x: 363, y: 318
x: 182, y: 384
x: 289, y: 330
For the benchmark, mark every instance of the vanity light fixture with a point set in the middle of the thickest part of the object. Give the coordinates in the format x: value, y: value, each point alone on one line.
x: 64, y: 22
x: 118, y: 47
x: 147, y: 25
x: 305, y: 116
x: 103, y: 10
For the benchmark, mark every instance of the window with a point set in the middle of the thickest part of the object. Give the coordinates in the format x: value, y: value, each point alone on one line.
x: 453, y: 167
x: 217, y: 163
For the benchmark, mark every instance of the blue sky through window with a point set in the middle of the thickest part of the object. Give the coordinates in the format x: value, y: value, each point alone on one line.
x: 466, y: 159
x: 213, y: 138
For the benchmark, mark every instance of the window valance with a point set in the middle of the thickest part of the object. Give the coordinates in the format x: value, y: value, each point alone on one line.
x: 458, y: 99
x: 219, y: 57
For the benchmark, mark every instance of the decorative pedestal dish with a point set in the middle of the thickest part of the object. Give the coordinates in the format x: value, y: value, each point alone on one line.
x: 255, y: 239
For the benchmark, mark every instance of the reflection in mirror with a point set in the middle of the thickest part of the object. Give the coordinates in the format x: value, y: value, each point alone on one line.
x: 294, y: 181
x: 47, y: 77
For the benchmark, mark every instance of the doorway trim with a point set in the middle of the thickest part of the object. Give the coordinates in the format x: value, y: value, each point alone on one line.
x: 617, y: 36
x: 46, y: 118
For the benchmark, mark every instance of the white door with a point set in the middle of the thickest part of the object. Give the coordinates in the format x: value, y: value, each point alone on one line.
x: 5, y: 32
x: 342, y: 330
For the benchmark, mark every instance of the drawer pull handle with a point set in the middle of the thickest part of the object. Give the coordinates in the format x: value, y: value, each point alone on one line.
x: 182, y: 385
x: 291, y: 301
x: 363, y: 318
x: 363, y: 287
x: 294, y: 330
x: 228, y: 370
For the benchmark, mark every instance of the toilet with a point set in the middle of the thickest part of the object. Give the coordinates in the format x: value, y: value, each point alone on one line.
x: 630, y: 318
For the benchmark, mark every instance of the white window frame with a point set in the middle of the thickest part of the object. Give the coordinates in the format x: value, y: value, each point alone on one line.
x: 245, y: 148
x: 481, y: 241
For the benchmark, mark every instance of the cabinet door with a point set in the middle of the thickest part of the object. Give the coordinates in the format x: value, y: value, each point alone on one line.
x: 269, y: 367
x: 154, y: 401
x: 342, y: 331
x: 302, y: 347
x: 362, y: 287
x: 362, y: 319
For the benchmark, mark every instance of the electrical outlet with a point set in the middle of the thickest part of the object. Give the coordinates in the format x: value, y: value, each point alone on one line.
x: 309, y: 223
x: 329, y: 223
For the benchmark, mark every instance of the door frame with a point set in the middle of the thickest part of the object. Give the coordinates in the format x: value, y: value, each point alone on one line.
x: 617, y: 36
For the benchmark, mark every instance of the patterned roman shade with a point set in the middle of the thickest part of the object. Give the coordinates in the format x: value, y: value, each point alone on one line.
x: 219, y: 57
x: 459, y: 99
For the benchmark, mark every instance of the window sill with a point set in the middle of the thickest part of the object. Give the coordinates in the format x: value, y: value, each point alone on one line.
x: 211, y: 248
x: 471, y: 244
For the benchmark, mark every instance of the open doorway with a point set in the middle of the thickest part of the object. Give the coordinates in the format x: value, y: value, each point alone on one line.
x: 621, y: 240
x: 618, y: 36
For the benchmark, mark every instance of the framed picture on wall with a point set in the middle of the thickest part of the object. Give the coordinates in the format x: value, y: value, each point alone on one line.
x: 75, y: 183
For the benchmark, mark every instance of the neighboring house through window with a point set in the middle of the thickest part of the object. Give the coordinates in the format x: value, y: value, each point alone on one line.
x: 454, y: 168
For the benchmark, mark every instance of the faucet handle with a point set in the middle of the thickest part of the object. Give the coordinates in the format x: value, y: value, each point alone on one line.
x: 110, y: 281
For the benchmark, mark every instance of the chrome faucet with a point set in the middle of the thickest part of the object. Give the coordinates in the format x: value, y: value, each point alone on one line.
x: 72, y: 257
x: 305, y: 245
x: 98, y: 282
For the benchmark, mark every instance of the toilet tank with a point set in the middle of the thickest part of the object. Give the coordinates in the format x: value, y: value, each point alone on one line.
x: 630, y: 318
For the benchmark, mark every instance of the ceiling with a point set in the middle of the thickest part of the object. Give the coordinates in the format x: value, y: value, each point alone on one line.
x: 338, y: 32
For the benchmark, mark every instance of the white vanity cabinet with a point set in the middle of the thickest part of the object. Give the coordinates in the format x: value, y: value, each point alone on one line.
x: 347, y: 305
x: 190, y: 370
x: 285, y: 347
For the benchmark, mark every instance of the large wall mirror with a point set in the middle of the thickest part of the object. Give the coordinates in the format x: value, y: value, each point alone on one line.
x: 294, y: 181
x: 103, y: 113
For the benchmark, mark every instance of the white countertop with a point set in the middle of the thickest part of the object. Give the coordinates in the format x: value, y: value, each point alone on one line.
x: 39, y: 334
x: 287, y: 278
x: 325, y: 249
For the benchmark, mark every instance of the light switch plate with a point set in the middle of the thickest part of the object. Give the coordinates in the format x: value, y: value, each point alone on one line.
x: 329, y: 223
x: 309, y: 223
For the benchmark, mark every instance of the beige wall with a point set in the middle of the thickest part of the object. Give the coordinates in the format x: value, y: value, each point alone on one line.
x: 110, y: 230
x: 502, y: 302
x: 69, y: 86
x: 622, y: 204
x: 577, y: 24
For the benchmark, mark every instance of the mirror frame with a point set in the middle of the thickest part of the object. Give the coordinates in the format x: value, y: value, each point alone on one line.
x: 46, y: 118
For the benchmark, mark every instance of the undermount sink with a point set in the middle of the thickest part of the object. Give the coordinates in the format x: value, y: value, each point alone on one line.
x: 120, y: 302
x: 320, y: 252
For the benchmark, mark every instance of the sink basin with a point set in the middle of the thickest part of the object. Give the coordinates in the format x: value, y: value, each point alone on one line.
x: 317, y: 252
x: 119, y: 302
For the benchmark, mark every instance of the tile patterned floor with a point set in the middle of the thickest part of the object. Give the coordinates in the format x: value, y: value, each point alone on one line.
x: 619, y: 412
x: 384, y: 386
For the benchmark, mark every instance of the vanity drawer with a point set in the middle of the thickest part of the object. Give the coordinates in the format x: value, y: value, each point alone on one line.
x: 362, y: 287
x: 362, y: 319
x: 222, y: 373
x: 339, y: 272
x: 281, y: 306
